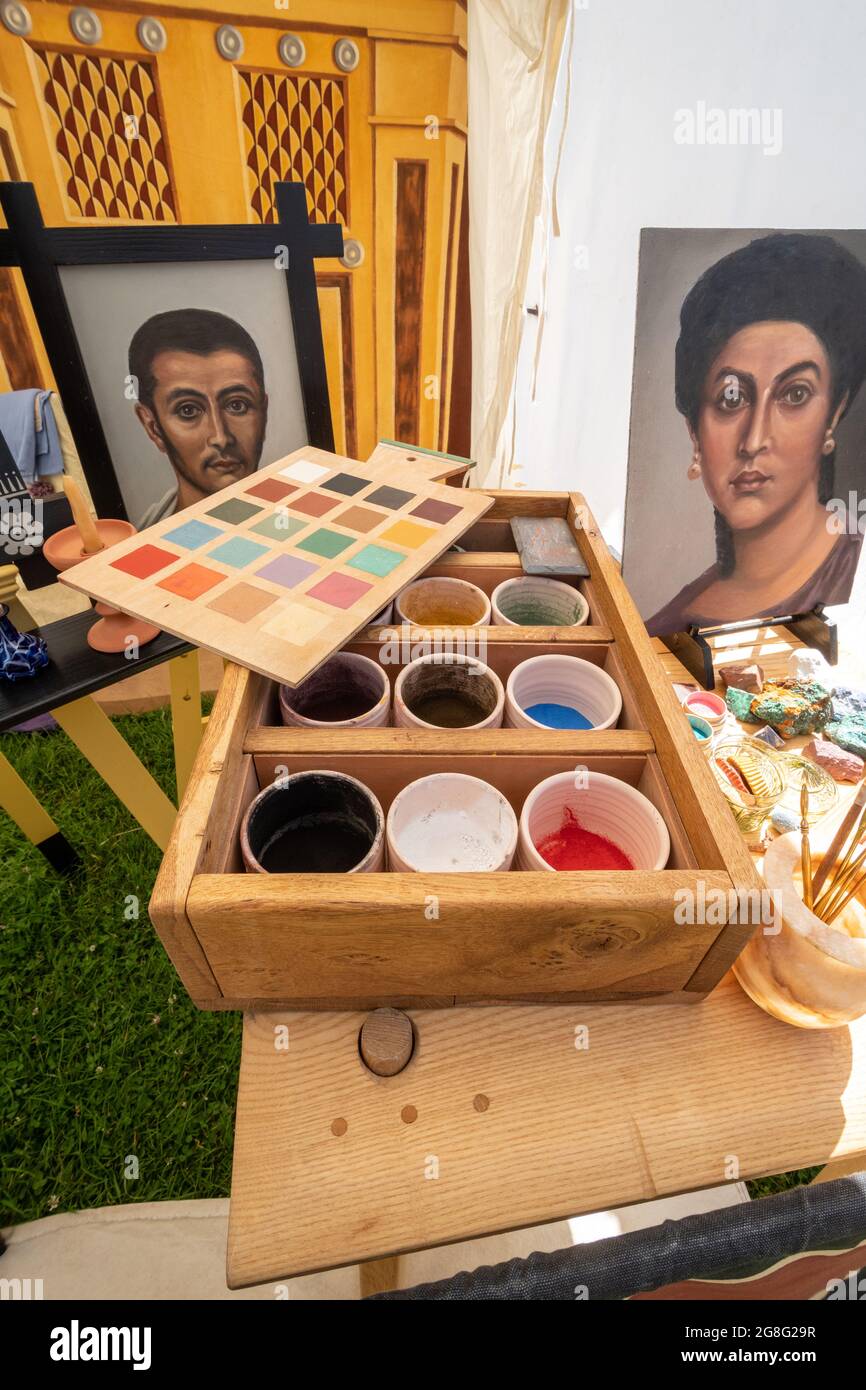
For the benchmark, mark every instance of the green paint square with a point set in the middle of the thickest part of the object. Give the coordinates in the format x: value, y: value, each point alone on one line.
x: 375, y: 559
x: 234, y: 511
x: 238, y: 552
x: 279, y: 526
x: 325, y: 543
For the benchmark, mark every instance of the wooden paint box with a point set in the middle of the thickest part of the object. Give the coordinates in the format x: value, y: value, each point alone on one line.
x: 325, y: 941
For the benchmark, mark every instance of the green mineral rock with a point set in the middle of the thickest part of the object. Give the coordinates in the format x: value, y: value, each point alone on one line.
x: 739, y: 702
x: 849, y: 733
x: 789, y: 706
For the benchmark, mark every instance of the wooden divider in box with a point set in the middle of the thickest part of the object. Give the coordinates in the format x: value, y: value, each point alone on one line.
x: 359, y: 940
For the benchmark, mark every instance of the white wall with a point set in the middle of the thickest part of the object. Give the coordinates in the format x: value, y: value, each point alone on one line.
x: 635, y: 63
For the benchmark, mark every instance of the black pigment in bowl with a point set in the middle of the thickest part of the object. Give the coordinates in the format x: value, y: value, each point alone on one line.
x: 311, y: 823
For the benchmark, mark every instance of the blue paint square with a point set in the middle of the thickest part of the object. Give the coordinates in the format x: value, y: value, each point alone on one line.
x: 238, y: 552
x: 192, y: 534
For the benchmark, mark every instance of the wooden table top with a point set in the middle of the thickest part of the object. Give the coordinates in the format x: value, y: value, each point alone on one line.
x: 523, y: 1119
x: 512, y: 1116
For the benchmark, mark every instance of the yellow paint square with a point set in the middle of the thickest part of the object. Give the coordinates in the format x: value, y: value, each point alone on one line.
x: 296, y: 624
x: 407, y: 533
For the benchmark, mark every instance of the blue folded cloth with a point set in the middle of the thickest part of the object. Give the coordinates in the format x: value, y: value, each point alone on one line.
x: 37, y: 452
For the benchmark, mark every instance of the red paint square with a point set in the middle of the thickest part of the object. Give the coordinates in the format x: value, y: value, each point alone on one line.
x: 191, y: 581
x: 314, y: 504
x: 339, y: 590
x: 271, y: 489
x: 144, y: 561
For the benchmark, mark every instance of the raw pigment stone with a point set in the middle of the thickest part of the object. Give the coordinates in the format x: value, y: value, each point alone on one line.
x: 848, y: 703
x: 744, y: 676
x: 770, y: 737
x: 739, y: 702
x: 849, y: 733
x: 805, y: 664
x: 842, y: 766
x: 792, y: 707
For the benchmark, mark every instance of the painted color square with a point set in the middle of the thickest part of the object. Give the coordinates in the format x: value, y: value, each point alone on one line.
x: 347, y: 484
x: 407, y: 533
x: 325, y: 543
x: 243, y: 601
x: 359, y: 519
x: 296, y: 623
x: 238, y: 552
x: 434, y: 510
x: 270, y: 490
x: 144, y: 561
x: 193, y: 534
x: 304, y: 471
x: 339, y: 590
x: 375, y: 559
x: 313, y: 504
x: 390, y: 497
x: 287, y: 570
x: 191, y: 581
x: 279, y: 526
x: 234, y: 510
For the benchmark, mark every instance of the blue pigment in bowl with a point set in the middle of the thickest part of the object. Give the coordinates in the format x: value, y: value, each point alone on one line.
x: 558, y: 716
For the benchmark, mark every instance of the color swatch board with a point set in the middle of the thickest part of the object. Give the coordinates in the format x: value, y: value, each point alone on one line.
x: 281, y: 569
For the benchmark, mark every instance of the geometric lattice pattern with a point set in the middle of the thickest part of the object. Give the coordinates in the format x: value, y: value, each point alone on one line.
x: 108, y: 134
x: 295, y: 130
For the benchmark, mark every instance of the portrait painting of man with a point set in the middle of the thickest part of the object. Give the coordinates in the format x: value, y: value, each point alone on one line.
x: 201, y: 401
x: 194, y: 373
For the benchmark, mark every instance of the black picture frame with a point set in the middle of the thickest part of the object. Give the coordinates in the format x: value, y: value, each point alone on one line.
x: 41, y: 251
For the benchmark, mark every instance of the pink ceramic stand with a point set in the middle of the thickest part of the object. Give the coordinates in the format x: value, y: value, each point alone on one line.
x: 112, y: 632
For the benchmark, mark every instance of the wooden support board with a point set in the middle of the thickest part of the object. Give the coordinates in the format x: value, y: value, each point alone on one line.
x: 519, y: 1123
x: 279, y: 570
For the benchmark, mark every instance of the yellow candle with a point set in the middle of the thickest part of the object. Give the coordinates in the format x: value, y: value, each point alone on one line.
x: 90, y: 541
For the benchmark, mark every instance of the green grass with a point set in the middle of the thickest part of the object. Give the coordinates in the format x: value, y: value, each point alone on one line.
x: 103, y: 1055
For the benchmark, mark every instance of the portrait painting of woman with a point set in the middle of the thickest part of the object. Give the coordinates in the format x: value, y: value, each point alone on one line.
x: 770, y: 356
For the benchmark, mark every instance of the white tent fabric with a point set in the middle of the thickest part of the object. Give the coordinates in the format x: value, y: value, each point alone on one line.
x: 514, y: 50
x: 634, y: 66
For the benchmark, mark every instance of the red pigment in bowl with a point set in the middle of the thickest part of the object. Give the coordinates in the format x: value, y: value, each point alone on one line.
x: 572, y: 847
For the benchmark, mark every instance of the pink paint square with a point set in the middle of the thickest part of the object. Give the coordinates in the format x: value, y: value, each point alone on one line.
x: 339, y: 590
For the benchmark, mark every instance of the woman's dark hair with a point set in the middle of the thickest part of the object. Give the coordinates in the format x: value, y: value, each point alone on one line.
x: 200, y: 331
x: 789, y: 277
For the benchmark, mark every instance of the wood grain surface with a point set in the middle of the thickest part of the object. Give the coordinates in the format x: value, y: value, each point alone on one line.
x: 522, y: 1119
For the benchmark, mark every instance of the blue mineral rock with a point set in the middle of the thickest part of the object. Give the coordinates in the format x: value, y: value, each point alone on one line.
x: 783, y: 820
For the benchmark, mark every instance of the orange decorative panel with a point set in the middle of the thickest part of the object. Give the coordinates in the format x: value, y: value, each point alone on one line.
x: 295, y: 130
x: 108, y: 133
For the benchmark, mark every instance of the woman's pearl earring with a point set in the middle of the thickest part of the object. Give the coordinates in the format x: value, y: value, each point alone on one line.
x: 829, y: 443
x: 694, y: 468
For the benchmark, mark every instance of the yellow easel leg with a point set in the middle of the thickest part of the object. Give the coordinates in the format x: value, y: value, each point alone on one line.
x: 19, y: 803
x: 95, y: 736
x: 186, y: 722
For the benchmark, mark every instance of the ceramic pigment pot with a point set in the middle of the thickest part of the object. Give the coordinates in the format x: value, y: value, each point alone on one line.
x: 436, y: 602
x: 346, y: 692
x: 314, y: 823
x: 797, y: 967
x: 448, y: 691
x: 594, y: 802
x: 450, y: 823
x: 548, y: 692
x: 533, y: 601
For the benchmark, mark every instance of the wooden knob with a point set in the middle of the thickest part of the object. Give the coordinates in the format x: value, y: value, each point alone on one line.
x: 386, y: 1041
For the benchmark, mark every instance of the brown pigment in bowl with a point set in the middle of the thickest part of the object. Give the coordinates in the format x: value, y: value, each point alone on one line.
x: 450, y: 696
